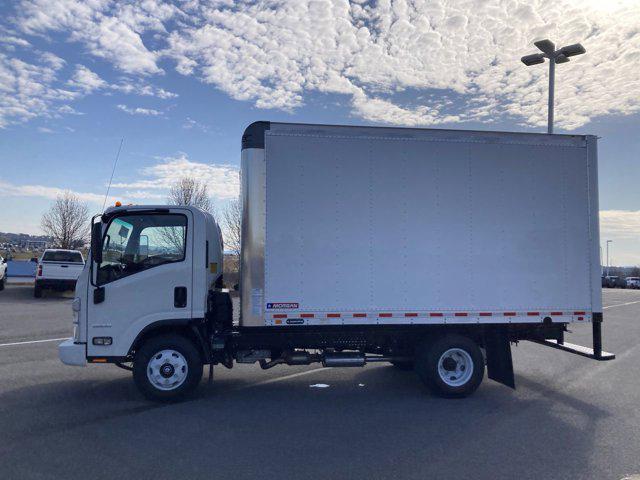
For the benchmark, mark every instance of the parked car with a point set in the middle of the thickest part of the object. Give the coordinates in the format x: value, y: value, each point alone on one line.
x: 3, y: 272
x: 633, y: 282
x: 58, y: 270
x: 613, y: 281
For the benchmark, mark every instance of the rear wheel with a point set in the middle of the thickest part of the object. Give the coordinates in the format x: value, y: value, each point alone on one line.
x: 167, y: 368
x: 37, y: 291
x: 2, y: 282
x: 452, y: 366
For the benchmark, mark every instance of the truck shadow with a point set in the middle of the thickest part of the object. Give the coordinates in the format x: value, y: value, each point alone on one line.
x: 363, y: 425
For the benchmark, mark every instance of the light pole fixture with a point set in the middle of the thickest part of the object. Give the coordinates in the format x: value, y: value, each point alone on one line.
x: 560, y: 55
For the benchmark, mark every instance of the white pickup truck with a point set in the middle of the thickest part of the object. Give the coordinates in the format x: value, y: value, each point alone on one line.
x: 58, y: 270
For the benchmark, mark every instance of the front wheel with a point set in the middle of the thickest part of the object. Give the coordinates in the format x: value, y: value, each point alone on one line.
x: 167, y: 368
x: 452, y: 366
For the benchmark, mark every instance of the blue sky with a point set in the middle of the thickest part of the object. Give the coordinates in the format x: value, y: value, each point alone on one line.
x: 180, y: 81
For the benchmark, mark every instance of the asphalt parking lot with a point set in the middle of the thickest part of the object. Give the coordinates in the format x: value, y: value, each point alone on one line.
x: 570, y: 417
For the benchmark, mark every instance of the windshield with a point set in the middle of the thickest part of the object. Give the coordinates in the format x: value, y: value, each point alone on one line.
x: 134, y: 243
x: 62, y: 256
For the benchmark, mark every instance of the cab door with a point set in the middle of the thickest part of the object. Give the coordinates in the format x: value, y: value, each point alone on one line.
x: 145, y: 276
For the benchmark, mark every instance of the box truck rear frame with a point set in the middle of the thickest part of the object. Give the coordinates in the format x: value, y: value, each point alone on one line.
x: 303, y: 186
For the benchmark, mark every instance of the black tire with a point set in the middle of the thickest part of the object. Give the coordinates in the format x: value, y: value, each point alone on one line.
x: 37, y: 292
x: 406, y: 365
x: 2, y: 282
x: 153, y: 347
x: 428, y: 360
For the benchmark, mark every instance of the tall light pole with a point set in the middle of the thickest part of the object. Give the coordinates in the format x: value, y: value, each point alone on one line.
x: 561, y: 55
x: 608, y: 242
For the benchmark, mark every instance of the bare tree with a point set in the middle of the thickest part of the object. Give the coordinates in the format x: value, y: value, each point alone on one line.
x: 67, y: 221
x: 190, y: 191
x: 232, y: 226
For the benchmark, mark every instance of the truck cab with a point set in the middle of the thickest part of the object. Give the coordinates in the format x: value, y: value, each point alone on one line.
x: 150, y: 270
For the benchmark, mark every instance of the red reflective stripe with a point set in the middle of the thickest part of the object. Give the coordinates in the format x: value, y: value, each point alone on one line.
x: 509, y: 314
x: 410, y: 314
x: 533, y: 314
x: 280, y: 315
x: 385, y: 315
x: 580, y: 318
x: 460, y: 314
x: 359, y: 315
x: 485, y: 314
x: 435, y: 314
x: 306, y: 315
x: 556, y: 313
x: 579, y: 313
x: 333, y: 315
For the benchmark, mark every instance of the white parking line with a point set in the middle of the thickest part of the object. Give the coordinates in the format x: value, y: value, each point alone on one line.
x: 620, y: 305
x: 33, y: 341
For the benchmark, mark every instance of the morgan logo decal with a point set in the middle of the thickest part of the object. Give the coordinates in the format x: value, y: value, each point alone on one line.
x: 282, y: 306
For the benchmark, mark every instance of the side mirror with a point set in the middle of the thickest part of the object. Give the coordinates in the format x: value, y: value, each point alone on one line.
x: 34, y: 259
x: 4, y: 260
x: 96, y: 242
x: 236, y: 287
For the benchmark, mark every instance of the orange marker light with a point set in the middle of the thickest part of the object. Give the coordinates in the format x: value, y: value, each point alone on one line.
x: 118, y: 204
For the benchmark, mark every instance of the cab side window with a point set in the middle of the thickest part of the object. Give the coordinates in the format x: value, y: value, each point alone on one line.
x: 134, y: 243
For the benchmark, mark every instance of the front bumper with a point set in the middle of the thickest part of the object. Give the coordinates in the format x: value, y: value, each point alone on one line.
x: 72, y: 353
x: 56, y: 284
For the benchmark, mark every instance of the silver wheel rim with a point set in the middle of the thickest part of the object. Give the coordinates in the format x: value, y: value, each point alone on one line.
x: 455, y: 367
x: 167, y: 370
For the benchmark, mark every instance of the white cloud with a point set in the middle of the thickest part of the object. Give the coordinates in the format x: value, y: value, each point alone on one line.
x: 52, y: 60
x: 191, y: 124
x: 371, y: 51
x: 51, y: 193
x: 14, y: 41
x: 222, y: 181
x: 11, y: 190
x: 274, y: 53
x: 86, y: 80
x: 29, y: 90
x: 138, y: 110
x: 131, y: 86
x: 110, y: 31
x: 620, y: 224
x: 68, y: 110
x: 623, y: 228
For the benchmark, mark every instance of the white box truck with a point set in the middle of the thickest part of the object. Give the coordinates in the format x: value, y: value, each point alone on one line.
x: 429, y: 249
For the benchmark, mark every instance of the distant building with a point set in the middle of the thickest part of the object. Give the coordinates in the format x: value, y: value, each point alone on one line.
x: 34, y: 244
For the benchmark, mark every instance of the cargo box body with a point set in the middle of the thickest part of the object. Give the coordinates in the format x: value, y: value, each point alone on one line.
x: 368, y: 226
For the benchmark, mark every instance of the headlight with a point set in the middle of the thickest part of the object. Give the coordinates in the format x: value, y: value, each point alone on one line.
x: 75, y: 305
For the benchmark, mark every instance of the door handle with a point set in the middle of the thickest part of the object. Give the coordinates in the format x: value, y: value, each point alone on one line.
x: 180, y: 297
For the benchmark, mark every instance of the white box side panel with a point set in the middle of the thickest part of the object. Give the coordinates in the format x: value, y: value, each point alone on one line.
x: 379, y: 224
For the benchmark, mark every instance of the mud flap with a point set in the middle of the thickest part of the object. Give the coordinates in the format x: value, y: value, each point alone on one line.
x: 499, y: 361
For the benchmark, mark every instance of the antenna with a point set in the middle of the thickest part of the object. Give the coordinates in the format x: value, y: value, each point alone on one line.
x: 112, y: 172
